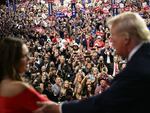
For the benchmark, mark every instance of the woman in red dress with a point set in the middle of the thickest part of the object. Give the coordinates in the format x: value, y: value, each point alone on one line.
x: 15, y: 95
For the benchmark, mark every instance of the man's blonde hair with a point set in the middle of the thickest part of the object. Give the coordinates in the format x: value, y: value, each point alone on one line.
x: 131, y: 24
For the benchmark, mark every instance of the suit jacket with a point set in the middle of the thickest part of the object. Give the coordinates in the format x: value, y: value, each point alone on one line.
x: 105, y: 56
x: 129, y: 91
x: 109, y: 65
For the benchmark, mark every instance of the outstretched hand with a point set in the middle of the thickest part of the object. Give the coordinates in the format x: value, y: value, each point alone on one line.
x: 47, y: 107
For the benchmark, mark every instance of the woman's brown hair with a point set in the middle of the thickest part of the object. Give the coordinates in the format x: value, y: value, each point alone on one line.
x: 10, y: 55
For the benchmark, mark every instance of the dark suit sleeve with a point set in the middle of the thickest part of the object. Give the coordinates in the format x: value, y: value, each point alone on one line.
x: 117, y: 98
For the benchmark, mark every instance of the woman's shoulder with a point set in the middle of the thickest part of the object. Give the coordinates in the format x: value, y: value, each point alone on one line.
x: 21, y: 85
x: 13, y: 88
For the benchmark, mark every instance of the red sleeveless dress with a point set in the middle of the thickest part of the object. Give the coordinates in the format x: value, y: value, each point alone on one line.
x: 25, y: 102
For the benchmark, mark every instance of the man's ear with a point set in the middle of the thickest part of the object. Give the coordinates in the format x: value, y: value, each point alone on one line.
x: 127, y: 38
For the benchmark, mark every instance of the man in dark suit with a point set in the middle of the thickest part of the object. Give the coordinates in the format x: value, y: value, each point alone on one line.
x: 107, y: 53
x: 129, y: 91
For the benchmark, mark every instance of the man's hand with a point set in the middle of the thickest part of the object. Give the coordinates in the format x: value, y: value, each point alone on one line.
x: 47, y: 107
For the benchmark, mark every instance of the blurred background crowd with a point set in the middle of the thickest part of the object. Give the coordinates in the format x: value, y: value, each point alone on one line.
x: 71, y: 54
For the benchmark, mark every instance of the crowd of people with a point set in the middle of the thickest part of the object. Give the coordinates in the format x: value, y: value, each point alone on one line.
x: 70, y: 58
